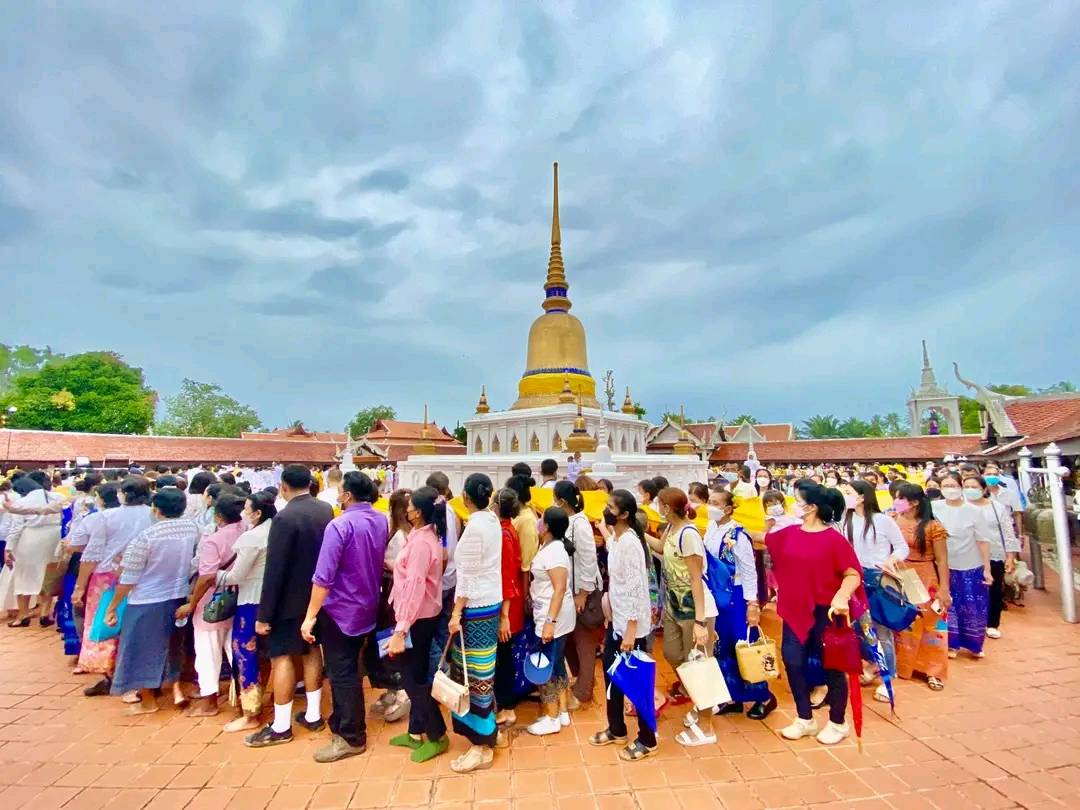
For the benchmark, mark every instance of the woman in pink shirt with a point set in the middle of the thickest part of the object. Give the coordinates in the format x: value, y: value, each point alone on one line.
x: 417, y: 601
x: 215, y: 552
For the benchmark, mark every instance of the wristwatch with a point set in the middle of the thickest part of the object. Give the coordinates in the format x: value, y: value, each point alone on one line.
x: 700, y: 623
x: 549, y: 620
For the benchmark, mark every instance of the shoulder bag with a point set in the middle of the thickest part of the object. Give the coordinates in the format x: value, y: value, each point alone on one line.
x: 592, y: 615
x: 447, y: 691
x: 222, y: 605
x: 888, y: 604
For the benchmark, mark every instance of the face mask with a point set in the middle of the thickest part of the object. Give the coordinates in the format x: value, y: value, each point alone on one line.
x: 851, y: 501
x: 776, y: 510
x: 763, y: 483
x: 901, y: 506
x: 993, y: 480
x: 952, y: 493
x: 799, y: 509
x: 716, y: 513
x: 972, y: 494
x: 609, y: 517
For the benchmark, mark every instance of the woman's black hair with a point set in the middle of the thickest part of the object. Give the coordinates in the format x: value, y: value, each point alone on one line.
x: 263, y: 503
x: 568, y: 492
x: 607, y: 485
x: 109, y: 494
x: 432, y: 510
x: 42, y: 478
x: 24, y: 485
x: 200, y: 481
x: 245, y: 486
x: 170, y: 502
x: 362, y: 488
x: 661, y: 483
x: 829, y: 502
x: 626, y: 502
x: 520, y: 484
x: 136, y: 490
x: 508, y: 504
x: 957, y: 477
x: 557, y: 522
x: 772, y: 481
x: 648, y: 486
x: 923, y: 509
x: 273, y: 491
x: 870, y: 508
x: 699, y: 490
x: 524, y: 470
x: 479, y: 489
x: 745, y: 473
x: 228, y: 478
x: 229, y: 508
x: 727, y: 494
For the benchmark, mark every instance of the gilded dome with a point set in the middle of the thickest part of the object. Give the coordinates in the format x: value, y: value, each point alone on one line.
x: 556, y: 339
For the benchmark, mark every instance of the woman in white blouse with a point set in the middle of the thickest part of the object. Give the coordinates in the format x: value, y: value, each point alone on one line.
x: 727, y: 540
x: 246, y: 575
x: 581, y: 649
x: 970, y: 575
x: 477, y: 607
x: 32, y: 543
x: 880, y: 546
x: 630, y: 620
x: 999, y: 529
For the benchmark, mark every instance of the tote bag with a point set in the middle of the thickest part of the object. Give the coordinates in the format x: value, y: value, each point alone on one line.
x: 757, y: 660
x: 447, y: 691
x: 99, y: 630
x: 703, y: 680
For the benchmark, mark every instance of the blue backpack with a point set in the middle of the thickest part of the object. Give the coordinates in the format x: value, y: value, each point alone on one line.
x: 720, y: 574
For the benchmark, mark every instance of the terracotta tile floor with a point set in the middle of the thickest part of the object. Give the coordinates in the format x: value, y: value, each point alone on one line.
x: 1005, y: 733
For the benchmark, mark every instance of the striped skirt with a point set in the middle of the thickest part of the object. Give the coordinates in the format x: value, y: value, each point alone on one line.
x: 480, y: 626
x: 970, y: 606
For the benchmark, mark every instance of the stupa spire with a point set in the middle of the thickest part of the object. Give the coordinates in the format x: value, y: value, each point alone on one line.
x: 556, y: 286
x: 928, y: 385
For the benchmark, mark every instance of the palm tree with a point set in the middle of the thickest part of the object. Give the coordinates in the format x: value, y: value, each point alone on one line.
x: 820, y: 427
x: 743, y: 418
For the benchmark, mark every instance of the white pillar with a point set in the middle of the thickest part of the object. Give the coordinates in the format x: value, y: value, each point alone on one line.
x: 1037, y: 569
x: 1055, y: 472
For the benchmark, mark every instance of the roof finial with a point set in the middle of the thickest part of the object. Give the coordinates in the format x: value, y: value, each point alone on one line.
x: 628, y: 403
x: 556, y: 286
x: 925, y: 356
x: 482, y: 406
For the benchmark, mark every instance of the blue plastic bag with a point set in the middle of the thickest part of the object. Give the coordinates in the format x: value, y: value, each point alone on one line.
x: 99, y: 631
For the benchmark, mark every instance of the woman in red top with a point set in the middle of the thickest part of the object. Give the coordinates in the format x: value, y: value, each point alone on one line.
x: 816, y: 572
x: 512, y: 620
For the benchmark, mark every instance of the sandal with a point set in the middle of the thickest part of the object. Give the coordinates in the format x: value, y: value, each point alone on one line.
x: 935, y: 684
x: 17, y: 623
x: 476, y: 758
x: 605, y: 737
x: 636, y: 751
x: 694, y: 737
x: 45, y: 621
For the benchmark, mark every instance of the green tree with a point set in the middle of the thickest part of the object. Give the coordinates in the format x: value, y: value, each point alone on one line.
x: 639, y: 409
x: 741, y: 418
x: 1063, y: 387
x: 895, y: 425
x: 461, y: 434
x: 203, y: 409
x: 366, y: 418
x: 96, y: 392
x: 854, y: 428
x: 16, y: 360
x: 820, y: 427
x: 969, y: 408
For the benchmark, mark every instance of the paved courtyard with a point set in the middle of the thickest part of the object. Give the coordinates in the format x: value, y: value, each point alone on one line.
x: 1005, y: 733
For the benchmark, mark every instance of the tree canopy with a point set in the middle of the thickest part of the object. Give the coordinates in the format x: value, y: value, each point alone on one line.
x: 95, y: 392
x: 16, y: 360
x: 743, y: 418
x: 828, y: 426
x: 203, y: 409
x: 365, y: 419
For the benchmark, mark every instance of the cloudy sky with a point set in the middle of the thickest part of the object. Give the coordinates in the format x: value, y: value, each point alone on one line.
x: 322, y: 206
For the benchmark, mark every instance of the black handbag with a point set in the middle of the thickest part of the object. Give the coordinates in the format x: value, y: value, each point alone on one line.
x: 221, y: 607
x: 592, y: 615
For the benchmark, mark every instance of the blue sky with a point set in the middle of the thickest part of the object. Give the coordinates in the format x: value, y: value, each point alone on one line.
x: 321, y: 206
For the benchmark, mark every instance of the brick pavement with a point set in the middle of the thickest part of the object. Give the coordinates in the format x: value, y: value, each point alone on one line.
x: 1005, y: 733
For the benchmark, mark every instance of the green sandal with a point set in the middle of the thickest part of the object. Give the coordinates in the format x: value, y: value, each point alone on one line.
x: 406, y: 741
x: 430, y: 750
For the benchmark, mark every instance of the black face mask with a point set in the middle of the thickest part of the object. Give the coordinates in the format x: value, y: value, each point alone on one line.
x: 609, y: 517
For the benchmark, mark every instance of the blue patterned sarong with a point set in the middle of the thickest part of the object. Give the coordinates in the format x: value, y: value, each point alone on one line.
x: 481, y: 628
x: 731, y: 628
x: 967, y: 616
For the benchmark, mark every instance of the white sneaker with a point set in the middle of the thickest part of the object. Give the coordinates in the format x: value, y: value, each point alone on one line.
x: 799, y: 729
x: 993, y: 632
x: 564, y: 719
x: 545, y: 726
x: 833, y: 733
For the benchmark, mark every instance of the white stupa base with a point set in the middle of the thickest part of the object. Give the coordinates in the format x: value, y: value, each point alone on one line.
x: 679, y: 470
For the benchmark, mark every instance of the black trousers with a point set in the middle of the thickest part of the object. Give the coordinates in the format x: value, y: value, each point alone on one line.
x: 615, y: 718
x: 505, y: 698
x: 997, y: 594
x: 795, y: 653
x: 341, y: 660
x: 425, y: 717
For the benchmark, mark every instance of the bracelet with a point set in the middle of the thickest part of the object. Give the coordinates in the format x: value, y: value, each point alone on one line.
x: 700, y: 623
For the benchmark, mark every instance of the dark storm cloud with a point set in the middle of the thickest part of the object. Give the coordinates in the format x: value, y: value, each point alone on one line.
x: 746, y: 188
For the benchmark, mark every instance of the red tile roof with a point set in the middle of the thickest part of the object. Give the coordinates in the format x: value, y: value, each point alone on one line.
x: 297, y: 432
x: 1034, y: 415
x: 780, y: 432
x: 393, y: 429
x: 43, y: 447
x: 920, y: 448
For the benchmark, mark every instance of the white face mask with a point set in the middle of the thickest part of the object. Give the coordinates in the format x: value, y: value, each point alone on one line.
x: 952, y: 493
x: 776, y: 510
x: 716, y: 513
x: 851, y: 501
x: 763, y: 483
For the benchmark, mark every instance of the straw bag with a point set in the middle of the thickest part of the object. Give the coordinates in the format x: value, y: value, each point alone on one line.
x: 757, y: 659
x: 447, y: 691
x: 703, y: 681
x: 912, y: 586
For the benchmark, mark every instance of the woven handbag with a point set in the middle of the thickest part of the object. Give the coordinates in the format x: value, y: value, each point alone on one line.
x: 757, y: 660
x: 447, y: 691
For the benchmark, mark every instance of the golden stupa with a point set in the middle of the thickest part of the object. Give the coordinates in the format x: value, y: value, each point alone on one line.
x: 557, y: 354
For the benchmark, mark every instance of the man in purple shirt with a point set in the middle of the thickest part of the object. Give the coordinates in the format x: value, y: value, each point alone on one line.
x: 343, y: 605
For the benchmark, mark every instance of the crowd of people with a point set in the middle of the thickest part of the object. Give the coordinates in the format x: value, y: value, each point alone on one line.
x: 165, y: 583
